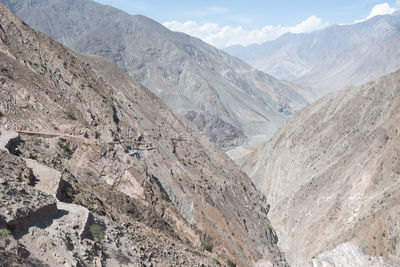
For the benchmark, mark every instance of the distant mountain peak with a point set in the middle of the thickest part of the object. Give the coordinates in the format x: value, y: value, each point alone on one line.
x: 331, y: 58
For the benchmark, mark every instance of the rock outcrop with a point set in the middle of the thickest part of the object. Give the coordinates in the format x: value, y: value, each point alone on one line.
x: 9, y: 140
x: 349, y: 255
x: 332, y: 173
x: 19, y: 203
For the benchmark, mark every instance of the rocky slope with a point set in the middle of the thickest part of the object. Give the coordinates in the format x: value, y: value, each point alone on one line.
x: 45, y: 232
x: 137, y: 183
x: 227, y: 99
x: 349, y: 255
x: 332, y: 173
x: 332, y: 58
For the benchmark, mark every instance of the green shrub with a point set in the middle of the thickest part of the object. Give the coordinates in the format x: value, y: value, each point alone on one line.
x: 215, y: 261
x: 65, y: 147
x: 230, y: 263
x: 69, y: 191
x: 153, y: 236
x: 97, y: 232
x: 129, y: 209
x: 207, y: 246
x: 88, y: 203
x: 189, y: 243
x: 4, y: 234
x: 70, y: 115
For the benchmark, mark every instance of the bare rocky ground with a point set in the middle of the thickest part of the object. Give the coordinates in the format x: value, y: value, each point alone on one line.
x: 349, y: 255
x: 111, y: 157
x: 332, y: 175
x: 48, y: 232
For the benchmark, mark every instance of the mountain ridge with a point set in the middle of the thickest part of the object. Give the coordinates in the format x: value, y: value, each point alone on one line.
x: 333, y: 169
x: 192, y: 77
x: 146, y: 184
x: 331, y: 58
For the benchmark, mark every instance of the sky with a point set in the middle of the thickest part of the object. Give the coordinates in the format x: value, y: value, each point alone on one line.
x: 223, y: 23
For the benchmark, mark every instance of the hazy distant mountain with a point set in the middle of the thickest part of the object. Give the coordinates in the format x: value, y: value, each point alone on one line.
x: 331, y: 58
x: 332, y: 175
x: 225, y: 97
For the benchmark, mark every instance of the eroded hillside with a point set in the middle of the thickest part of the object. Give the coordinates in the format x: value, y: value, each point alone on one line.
x: 332, y: 175
x: 228, y: 100
x: 148, y: 186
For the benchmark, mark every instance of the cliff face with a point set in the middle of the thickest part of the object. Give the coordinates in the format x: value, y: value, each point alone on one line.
x: 227, y: 99
x: 140, y: 183
x: 331, y: 174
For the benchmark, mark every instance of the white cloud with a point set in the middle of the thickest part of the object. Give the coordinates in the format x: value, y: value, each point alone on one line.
x: 225, y: 36
x: 381, y: 9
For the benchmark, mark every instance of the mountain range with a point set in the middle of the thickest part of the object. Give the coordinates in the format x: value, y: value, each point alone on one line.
x: 331, y: 58
x: 231, y: 102
x: 97, y: 171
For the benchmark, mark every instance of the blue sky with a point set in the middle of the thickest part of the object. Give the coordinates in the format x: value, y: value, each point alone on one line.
x: 227, y: 22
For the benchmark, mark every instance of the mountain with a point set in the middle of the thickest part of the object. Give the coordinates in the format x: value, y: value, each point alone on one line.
x: 331, y: 175
x: 332, y: 58
x: 97, y: 171
x: 228, y: 100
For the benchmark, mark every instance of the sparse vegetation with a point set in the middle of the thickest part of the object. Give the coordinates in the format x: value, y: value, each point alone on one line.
x: 153, y: 236
x: 230, y: 263
x: 4, y: 234
x: 215, y: 261
x: 69, y: 191
x: 129, y: 209
x: 88, y: 203
x: 189, y: 243
x: 97, y: 232
x: 207, y: 246
x: 70, y: 115
x: 67, y: 151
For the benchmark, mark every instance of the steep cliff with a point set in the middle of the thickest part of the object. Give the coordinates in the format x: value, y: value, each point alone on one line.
x: 332, y: 173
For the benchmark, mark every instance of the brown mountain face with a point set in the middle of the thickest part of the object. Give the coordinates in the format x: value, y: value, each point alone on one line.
x: 118, y: 178
x: 332, y: 176
x: 229, y: 101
